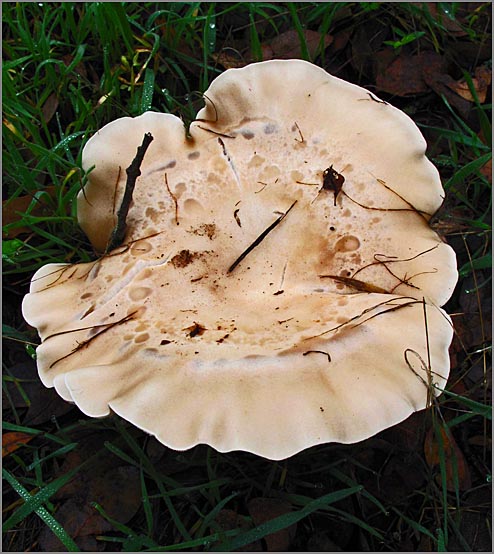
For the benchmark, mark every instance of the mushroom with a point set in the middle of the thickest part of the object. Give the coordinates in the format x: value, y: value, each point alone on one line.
x: 278, y: 286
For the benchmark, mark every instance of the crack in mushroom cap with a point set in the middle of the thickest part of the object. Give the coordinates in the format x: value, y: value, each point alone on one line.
x: 318, y: 334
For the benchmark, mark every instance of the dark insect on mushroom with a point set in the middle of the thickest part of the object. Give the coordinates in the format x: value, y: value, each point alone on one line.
x: 332, y: 181
x: 195, y: 330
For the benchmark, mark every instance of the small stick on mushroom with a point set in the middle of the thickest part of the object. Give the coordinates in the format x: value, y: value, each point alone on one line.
x: 133, y: 171
x: 361, y: 286
x: 260, y: 238
x: 224, y: 135
x: 411, y: 301
x: 237, y: 219
x: 174, y: 198
x: 115, y: 188
x: 317, y: 352
x: 301, y: 139
x: 86, y: 342
x: 375, y: 99
x: 422, y: 214
x: 390, y: 260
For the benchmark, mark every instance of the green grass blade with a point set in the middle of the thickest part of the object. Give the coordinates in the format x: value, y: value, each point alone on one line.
x: 214, y: 512
x: 414, y: 524
x: 351, y: 483
x: 484, y: 262
x: 467, y: 170
x: 255, y: 42
x: 285, y: 520
x: 31, y: 431
x: 146, y: 541
x: 59, y: 452
x: 150, y: 469
x: 146, y: 504
x: 43, y: 513
x: 300, y: 31
x: 477, y: 407
x: 147, y: 91
x: 34, y: 502
x: 441, y: 541
x: 204, y: 541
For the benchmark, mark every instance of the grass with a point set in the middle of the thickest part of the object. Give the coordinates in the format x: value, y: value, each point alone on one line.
x: 67, y: 72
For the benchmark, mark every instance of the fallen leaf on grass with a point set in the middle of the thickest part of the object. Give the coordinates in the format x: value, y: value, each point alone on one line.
x: 365, y: 42
x: 452, y: 26
x: 341, y: 39
x: 441, y: 84
x: 79, y: 68
x: 486, y: 171
x: 229, y: 58
x: 229, y: 520
x: 50, y: 107
x: 453, y: 458
x: 117, y: 491
x: 13, y: 209
x: 287, y: 45
x: 14, y: 440
x: 263, y: 510
x: 480, y: 81
x: 480, y: 440
x: 397, y: 478
x: 405, y: 74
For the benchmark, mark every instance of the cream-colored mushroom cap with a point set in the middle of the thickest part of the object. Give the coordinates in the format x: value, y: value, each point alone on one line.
x: 279, y: 285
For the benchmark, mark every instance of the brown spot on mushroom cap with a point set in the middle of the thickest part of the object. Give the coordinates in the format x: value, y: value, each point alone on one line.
x: 183, y: 258
x: 161, y: 333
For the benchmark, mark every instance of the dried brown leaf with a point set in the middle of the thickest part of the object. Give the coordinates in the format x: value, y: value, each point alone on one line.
x: 229, y: 520
x: 14, y: 440
x: 405, y: 75
x: 441, y: 84
x: 230, y: 58
x: 453, y: 456
x: 50, y: 107
x: 12, y: 210
x: 79, y: 68
x: 481, y: 81
x: 287, y: 45
x: 117, y: 491
x: 452, y: 26
x: 263, y: 510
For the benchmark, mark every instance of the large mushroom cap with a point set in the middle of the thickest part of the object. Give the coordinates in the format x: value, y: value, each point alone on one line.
x: 277, y: 277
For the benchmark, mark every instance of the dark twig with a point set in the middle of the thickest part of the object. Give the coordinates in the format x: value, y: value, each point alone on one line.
x: 361, y: 286
x: 87, y: 342
x: 174, y: 198
x: 260, y: 238
x: 133, y: 171
x: 317, y: 352
x: 390, y: 260
x: 215, y: 132
x: 368, y: 310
